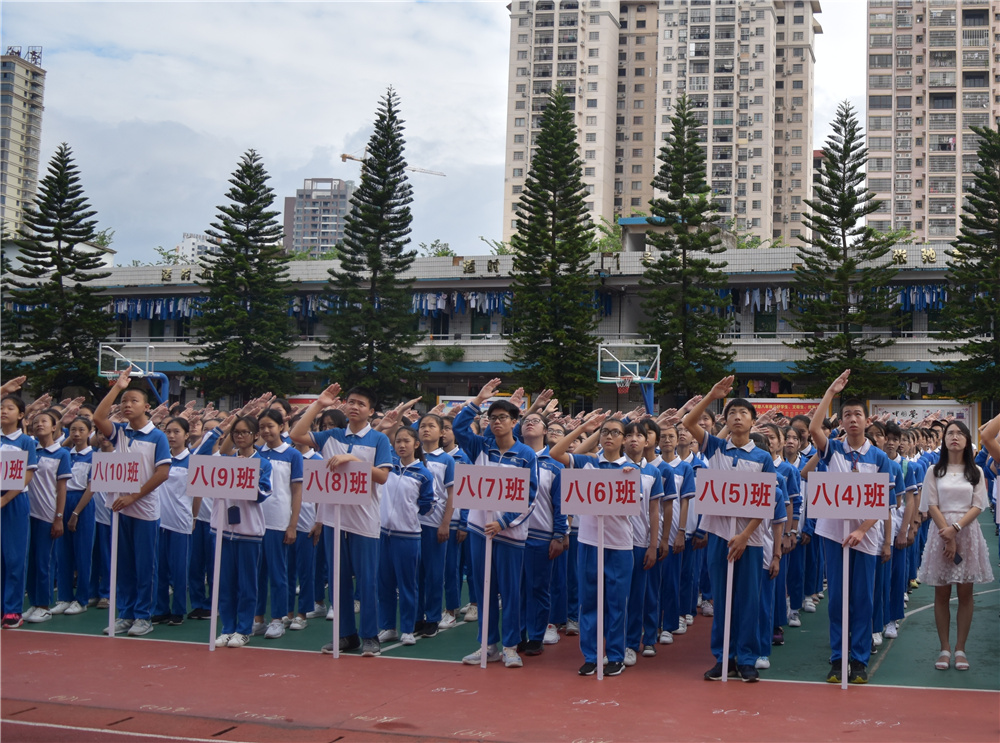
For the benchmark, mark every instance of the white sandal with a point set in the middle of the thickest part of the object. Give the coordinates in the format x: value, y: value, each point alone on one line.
x: 961, y: 661
x: 944, y: 660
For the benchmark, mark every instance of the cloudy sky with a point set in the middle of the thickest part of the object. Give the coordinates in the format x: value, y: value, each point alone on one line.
x: 158, y: 100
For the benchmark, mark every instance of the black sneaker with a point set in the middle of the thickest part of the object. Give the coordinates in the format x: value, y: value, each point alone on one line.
x: 748, y: 674
x: 533, y: 647
x: 588, y: 669
x: 429, y: 629
x: 351, y: 642
x: 833, y: 677
x: 614, y: 668
x: 778, y: 638
x: 176, y: 620
x: 159, y: 619
x: 199, y: 614
x: 714, y: 673
x: 858, y: 673
x: 371, y: 647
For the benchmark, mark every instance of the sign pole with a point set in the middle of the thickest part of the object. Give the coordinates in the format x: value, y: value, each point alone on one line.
x: 728, y: 626
x: 600, y: 598
x: 335, y: 599
x: 484, y: 600
x: 213, y: 625
x: 845, y: 597
x: 113, y: 601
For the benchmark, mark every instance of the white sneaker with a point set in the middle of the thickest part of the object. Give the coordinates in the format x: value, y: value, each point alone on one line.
x: 329, y: 614
x: 298, y: 623
x: 629, y: 657
x: 906, y: 599
x: 572, y: 627
x: 31, y: 610
x: 808, y: 605
x: 318, y: 610
x: 793, y: 619
x: 357, y: 606
x: 258, y: 628
x: 223, y: 640
x: 877, y: 639
x: 75, y: 608
x: 511, y: 659
x: 40, y: 615
x: 551, y: 635
x: 59, y: 608
x: 464, y: 609
x: 707, y: 609
x: 762, y: 663
x: 237, y: 640
x: 121, y: 625
x: 892, y: 630
x: 274, y: 630
x: 388, y: 635
x: 472, y: 615
x: 407, y: 638
x: 447, y: 621
x: 688, y: 619
x: 666, y: 638
x: 493, y: 654
x: 681, y: 627
x: 140, y: 627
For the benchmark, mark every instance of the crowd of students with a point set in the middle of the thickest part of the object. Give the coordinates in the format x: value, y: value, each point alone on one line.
x: 405, y: 554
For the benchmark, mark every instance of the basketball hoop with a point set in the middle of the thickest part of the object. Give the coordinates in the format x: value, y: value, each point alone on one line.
x: 623, y: 384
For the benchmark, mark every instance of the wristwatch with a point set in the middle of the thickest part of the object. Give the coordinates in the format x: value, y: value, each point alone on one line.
x: 58, y: 515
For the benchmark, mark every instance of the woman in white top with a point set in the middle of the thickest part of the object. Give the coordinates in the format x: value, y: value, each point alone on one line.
x: 955, y: 553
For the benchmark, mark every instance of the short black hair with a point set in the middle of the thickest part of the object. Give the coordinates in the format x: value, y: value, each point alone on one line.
x: 800, y: 418
x: 854, y: 402
x: 142, y: 391
x: 365, y: 392
x: 891, y: 429
x: 504, y: 406
x: 88, y: 406
x: 760, y: 441
x: 332, y: 419
x: 283, y: 403
x: 739, y: 402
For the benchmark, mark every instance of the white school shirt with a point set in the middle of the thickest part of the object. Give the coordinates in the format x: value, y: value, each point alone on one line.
x: 617, y: 529
x: 151, y: 443
x: 53, y: 465
x: 175, y: 506
x: 81, y: 468
x: 286, y: 468
x: 651, y: 489
x: 307, y: 513
x: 442, y: 466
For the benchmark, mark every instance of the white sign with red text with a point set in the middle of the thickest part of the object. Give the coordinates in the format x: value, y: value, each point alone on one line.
x: 350, y: 484
x: 740, y: 493
x: 115, y: 472
x: 601, y: 492
x: 232, y: 478
x: 483, y: 487
x: 848, y: 495
x: 15, y: 463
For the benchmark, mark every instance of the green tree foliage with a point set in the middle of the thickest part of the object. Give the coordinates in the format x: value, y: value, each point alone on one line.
x: 553, y: 315
x: 437, y: 249
x: 843, y: 274
x: 370, y: 322
x: 608, y: 237
x: 66, y: 318
x: 971, y: 317
x: 244, y: 332
x: 680, y: 288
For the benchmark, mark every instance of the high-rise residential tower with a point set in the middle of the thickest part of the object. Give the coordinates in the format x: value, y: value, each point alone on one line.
x: 22, y: 92
x: 933, y: 72
x: 314, y: 217
x: 747, y: 67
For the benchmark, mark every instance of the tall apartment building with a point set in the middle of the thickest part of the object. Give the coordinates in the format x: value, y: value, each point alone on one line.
x: 747, y: 67
x: 933, y: 72
x: 22, y: 92
x: 314, y: 217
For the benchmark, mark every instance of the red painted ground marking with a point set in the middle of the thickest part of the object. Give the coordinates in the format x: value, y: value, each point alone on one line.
x: 182, y: 690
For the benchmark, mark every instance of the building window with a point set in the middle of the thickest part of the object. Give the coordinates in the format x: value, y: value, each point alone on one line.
x: 518, y: 172
x: 591, y: 103
x: 637, y: 169
x: 519, y: 155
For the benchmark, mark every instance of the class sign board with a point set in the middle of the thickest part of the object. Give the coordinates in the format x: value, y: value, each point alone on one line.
x: 15, y: 463
x: 231, y: 478
x: 350, y: 484
x: 483, y: 487
x: 115, y: 472
x: 601, y: 492
x: 848, y: 495
x: 740, y: 493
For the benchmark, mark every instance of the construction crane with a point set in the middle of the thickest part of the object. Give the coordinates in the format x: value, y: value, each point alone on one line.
x: 344, y: 158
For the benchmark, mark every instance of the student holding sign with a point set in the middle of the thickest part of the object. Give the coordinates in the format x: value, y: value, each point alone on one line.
x: 360, y: 528
x: 14, y: 507
x: 744, y: 545
x: 508, y: 530
x: 866, y: 538
x: 139, y: 518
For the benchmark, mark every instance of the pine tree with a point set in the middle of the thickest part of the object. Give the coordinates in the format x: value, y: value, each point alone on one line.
x: 843, y: 274
x: 370, y: 323
x: 66, y: 318
x: 681, y: 287
x: 972, y: 314
x: 553, y: 343
x: 244, y: 332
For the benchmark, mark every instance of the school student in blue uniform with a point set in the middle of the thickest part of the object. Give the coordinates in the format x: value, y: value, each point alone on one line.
x: 75, y: 549
x: 14, y: 511
x: 866, y: 539
x: 47, y: 497
x: 408, y: 493
x: 455, y: 558
x: 509, y: 530
x: 618, y: 544
x: 435, y: 524
x: 302, y: 560
x: 547, y: 538
x: 360, y: 525
x: 685, y: 461
x: 902, y: 521
x: 100, y: 567
x: 771, y: 580
x: 746, y: 549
